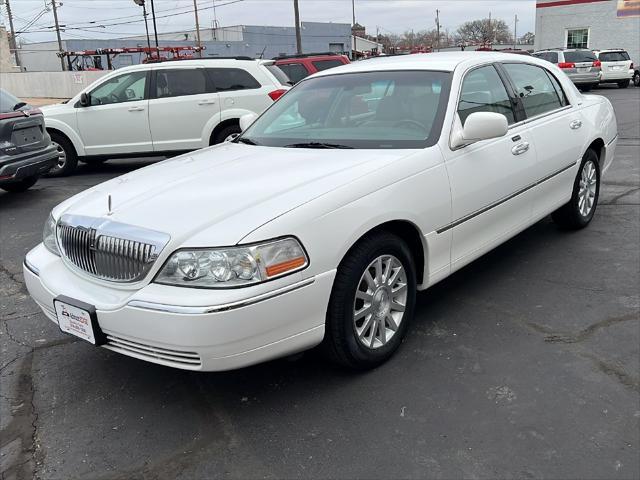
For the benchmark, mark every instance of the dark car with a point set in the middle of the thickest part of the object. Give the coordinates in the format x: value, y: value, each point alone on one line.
x: 25, y: 146
x: 298, y: 67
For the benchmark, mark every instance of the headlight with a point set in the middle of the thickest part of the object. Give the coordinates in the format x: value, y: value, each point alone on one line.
x: 49, y: 235
x: 233, y: 266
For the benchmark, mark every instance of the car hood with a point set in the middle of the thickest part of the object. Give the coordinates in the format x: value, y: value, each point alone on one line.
x: 218, y: 195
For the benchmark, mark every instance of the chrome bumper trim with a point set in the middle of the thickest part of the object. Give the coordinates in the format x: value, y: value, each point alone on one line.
x: 180, y: 309
x: 31, y: 268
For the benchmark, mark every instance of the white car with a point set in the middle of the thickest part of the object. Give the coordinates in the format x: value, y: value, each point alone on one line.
x: 318, y: 224
x: 161, y: 109
x: 616, y: 67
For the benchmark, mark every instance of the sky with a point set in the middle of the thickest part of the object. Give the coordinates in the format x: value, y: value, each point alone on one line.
x: 389, y: 16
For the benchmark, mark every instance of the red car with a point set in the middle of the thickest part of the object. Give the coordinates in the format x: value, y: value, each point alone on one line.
x: 298, y: 67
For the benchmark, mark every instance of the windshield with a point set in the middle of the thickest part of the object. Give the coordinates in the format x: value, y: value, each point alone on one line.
x: 7, y: 101
x: 614, y: 56
x: 390, y: 109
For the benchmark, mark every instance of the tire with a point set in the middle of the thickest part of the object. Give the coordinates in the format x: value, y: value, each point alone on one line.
x: 93, y: 160
x: 624, y: 83
x: 225, y: 133
x: 349, y: 312
x: 573, y: 215
x: 636, y: 79
x: 21, y: 185
x: 67, y: 160
x: 585, y: 88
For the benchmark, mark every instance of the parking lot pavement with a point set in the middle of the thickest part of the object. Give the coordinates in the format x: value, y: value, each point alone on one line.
x: 524, y: 364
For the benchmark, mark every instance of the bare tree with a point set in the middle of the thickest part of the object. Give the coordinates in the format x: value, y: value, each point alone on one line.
x: 484, y: 31
x: 528, y: 38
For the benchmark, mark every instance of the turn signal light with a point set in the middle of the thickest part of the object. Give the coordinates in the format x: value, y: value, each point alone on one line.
x: 566, y: 65
x: 276, y: 94
x: 280, y: 268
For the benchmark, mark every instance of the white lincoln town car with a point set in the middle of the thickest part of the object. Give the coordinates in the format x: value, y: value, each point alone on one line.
x: 317, y: 225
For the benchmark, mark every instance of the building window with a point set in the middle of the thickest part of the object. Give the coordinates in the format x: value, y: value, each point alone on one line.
x: 578, y: 38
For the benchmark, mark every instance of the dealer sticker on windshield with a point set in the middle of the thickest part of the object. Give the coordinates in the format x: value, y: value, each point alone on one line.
x: 75, y: 320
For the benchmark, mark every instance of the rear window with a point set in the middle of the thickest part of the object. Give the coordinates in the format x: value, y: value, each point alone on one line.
x: 295, y: 71
x: 7, y: 101
x: 228, y: 79
x: 579, y: 56
x: 548, y: 56
x: 279, y: 74
x: 614, y: 56
x: 326, y: 64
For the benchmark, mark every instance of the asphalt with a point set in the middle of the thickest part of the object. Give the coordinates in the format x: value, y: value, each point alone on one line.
x: 525, y: 364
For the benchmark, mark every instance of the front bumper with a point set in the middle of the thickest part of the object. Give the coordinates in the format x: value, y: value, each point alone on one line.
x: 222, y: 330
x: 19, y: 167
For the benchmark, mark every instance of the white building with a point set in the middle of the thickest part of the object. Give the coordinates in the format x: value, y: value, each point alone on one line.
x: 593, y: 24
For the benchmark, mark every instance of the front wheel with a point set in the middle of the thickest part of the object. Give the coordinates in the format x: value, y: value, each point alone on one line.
x: 21, y: 185
x: 624, y: 83
x: 371, y: 303
x: 579, y: 211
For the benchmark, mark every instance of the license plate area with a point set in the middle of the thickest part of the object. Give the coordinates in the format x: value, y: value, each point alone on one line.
x: 584, y: 69
x: 78, y: 319
x: 27, y: 136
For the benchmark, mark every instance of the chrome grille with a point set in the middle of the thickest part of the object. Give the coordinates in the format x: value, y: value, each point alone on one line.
x: 109, y: 250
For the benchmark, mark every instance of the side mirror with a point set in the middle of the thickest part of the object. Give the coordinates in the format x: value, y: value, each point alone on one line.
x: 483, y: 126
x: 246, y: 120
x: 84, y: 100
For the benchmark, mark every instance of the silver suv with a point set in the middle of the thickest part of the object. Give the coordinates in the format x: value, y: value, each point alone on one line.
x: 580, y: 65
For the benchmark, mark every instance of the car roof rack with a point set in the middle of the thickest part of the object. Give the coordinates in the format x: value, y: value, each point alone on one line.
x: 305, y: 55
x: 162, y: 60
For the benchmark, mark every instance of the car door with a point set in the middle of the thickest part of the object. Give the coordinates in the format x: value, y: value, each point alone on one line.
x: 183, y: 105
x: 239, y: 90
x: 489, y: 179
x: 556, y: 129
x: 116, y: 120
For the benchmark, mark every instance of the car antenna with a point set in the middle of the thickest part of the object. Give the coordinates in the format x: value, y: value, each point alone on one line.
x: 262, y: 53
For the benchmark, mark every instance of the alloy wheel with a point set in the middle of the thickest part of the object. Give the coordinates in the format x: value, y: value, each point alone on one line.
x: 587, y: 191
x: 62, y: 157
x: 380, y: 300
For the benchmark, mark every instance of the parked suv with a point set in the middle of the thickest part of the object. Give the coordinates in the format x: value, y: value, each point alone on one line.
x: 25, y: 147
x: 581, y: 65
x: 161, y: 109
x: 298, y: 67
x: 616, y: 67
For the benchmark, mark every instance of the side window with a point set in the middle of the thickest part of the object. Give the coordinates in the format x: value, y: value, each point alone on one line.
x: 326, y: 64
x: 180, y: 82
x: 534, y: 88
x: 556, y: 85
x: 295, y: 71
x: 483, y: 91
x: 228, y: 79
x: 123, y: 88
x: 552, y: 57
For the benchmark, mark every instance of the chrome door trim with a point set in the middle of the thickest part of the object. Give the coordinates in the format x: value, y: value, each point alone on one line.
x: 486, y: 208
x: 186, y: 310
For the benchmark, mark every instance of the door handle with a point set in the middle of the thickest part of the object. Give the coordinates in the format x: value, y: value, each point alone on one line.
x: 206, y: 102
x: 520, y: 148
x: 136, y: 109
x: 576, y: 124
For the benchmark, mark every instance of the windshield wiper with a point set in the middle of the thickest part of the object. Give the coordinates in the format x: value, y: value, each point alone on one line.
x: 245, y: 140
x: 316, y: 145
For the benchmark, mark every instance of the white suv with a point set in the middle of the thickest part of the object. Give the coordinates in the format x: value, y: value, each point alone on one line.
x: 616, y: 67
x: 161, y: 109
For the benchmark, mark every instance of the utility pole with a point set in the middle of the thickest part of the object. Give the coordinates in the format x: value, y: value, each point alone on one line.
x: 142, y: 4
x: 13, y: 44
x: 353, y: 11
x: 155, y: 28
x: 438, y: 29
x: 55, y: 18
x: 296, y: 14
x: 195, y: 9
x: 515, y: 32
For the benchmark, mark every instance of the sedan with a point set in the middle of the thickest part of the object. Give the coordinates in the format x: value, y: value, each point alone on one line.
x: 318, y: 224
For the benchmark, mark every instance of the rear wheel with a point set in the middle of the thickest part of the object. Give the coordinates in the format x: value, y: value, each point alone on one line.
x: 67, y: 158
x: 227, y: 134
x: 371, y: 303
x: 586, y: 88
x: 624, y: 83
x: 21, y: 185
x: 579, y: 211
x: 636, y: 79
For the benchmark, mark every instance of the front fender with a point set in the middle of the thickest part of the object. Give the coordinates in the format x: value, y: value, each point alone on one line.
x: 70, y: 133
